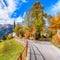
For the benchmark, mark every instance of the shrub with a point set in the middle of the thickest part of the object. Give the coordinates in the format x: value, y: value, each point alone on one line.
x: 9, y: 36
x: 4, y: 38
x: 0, y: 40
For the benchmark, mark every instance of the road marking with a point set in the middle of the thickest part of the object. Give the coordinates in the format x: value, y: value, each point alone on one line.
x: 40, y: 52
x: 34, y: 53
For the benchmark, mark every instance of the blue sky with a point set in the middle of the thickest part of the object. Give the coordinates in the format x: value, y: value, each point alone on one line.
x: 15, y: 9
x: 26, y: 6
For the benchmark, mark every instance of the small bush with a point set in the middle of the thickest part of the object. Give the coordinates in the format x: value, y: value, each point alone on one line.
x: 4, y: 38
x: 9, y: 36
x: 0, y: 40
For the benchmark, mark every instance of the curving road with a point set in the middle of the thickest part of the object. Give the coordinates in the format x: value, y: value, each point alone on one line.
x: 42, y: 50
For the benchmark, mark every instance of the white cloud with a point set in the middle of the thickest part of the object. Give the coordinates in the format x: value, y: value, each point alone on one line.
x: 19, y: 19
x: 24, y: 1
x: 6, y: 22
x: 24, y: 14
x: 11, y: 5
x: 56, y: 6
x: 54, y: 9
x: 8, y: 10
x: 11, y: 21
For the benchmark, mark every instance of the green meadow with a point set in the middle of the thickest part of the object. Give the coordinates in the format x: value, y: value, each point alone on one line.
x: 10, y: 50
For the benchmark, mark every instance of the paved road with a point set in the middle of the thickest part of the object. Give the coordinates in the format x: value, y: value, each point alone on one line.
x: 23, y: 42
x: 42, y: 50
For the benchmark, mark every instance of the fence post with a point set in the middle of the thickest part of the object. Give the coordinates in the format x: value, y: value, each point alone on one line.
x: 26, y: 47
x: 21, y: 56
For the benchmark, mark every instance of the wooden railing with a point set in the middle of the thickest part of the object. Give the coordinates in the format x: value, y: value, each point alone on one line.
x: 23, y: 55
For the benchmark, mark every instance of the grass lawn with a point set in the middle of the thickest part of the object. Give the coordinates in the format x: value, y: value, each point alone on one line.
x: 10, y: 50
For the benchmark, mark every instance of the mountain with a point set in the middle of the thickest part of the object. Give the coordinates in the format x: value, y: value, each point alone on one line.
x: 5, y: 29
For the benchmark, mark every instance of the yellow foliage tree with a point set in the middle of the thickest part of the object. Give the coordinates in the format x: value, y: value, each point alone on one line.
x: 9, y: 36
x: 55, y: 26
x: 55, y: 22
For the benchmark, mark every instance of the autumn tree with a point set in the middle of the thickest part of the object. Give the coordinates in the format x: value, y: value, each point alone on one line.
x: 55, y: 24
x: 55, y: 29
x: 37, y: 18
